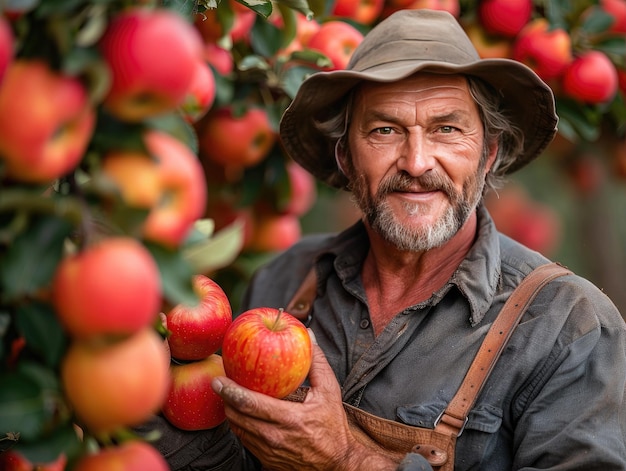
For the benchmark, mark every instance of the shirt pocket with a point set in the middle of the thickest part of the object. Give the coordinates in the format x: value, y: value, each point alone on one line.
x: 483, y: 417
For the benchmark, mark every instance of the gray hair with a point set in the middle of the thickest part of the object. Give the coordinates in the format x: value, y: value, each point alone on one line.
x: 496, y: 125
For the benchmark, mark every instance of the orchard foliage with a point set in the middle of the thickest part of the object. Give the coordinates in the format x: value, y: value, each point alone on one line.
x: 82, y: 164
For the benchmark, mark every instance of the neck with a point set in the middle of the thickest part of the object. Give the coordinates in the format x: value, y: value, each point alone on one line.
x: 415, y: 275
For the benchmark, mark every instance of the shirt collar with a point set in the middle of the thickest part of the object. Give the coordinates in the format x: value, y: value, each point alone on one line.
x: 476, y: 278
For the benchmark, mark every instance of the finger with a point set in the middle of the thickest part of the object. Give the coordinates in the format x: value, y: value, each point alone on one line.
x: 248, y: 402
x: 321, y: 375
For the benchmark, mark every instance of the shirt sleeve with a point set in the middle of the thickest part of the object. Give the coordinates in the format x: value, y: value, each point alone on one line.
x: 216, y: 449
x: 572, y: 415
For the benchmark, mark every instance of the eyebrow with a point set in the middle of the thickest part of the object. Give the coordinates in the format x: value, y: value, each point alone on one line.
x: 456, y: 116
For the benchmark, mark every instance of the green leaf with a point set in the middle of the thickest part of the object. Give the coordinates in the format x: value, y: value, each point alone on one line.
x: 175, y: 124
x: 176, y: 274
x: 262, y: 7
x: 596, y: 20
x: 253, y: 62
x: 303, y: 7
x: 583, y: 120
x: 22, y: 406
x: 39, y: 325
x: 266, y: 39
x: 32, y: 260
x: 614, y: 47
x: 217, y: 252
x: 293, y: 77
x: 49, y: 447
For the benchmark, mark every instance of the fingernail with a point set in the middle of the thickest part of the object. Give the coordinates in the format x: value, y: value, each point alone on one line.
x: 217, y: 385
x: 312, y: 335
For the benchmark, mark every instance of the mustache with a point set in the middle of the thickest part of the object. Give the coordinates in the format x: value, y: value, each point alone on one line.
x: 406, y: 183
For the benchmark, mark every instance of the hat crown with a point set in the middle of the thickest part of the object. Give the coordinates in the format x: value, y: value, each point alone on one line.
x: 414, y: 35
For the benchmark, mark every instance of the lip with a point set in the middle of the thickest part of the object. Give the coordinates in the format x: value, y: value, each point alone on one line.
x: 418, y: 196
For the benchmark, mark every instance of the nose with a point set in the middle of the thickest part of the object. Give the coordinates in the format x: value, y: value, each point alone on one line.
x: 416, y: 154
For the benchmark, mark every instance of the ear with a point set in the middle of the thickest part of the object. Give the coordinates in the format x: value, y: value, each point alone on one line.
x: 491, y: 157
x: 340, y: 156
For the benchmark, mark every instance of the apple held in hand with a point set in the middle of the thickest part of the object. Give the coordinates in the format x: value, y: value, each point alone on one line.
x: 191, y: 403
x: 198, y: 331
x: 267, y: 350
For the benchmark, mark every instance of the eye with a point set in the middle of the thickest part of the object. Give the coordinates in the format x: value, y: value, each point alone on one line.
x: 447, y: 129
x: 384, y: 130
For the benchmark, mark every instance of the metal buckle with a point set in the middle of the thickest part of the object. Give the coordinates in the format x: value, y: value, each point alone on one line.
x: 440, y: 416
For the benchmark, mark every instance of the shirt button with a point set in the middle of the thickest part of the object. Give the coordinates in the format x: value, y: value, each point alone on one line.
x: 364, y: 324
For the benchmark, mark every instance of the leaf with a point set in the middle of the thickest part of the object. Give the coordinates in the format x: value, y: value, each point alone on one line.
x: 49, y: 447
x: 22, y: 406
x: 38, y: 323
x: 596, y: 20
x: 176, y: 274
x: 262, y: 7
x: 582, y: 120
x: 217, y: 252
x: 34, y: 255
x: 302, y: 6
x: 293, y: 77
x: 266, y: 39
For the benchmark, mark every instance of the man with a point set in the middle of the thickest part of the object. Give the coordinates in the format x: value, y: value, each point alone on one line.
x: 417, y: 129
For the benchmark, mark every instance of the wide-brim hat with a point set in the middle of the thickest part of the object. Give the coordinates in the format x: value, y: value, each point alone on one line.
x: 407, y: 42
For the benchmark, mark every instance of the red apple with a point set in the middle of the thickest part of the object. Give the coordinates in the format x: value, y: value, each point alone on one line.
x: 197, y: 331
x: 46, y: 122
x: 267, y: 350
x: 152, y: 55
x: 617, y: 9
x: 219, y: 58
x: 12, y: 460
x: 212, y: 29
x: 337, y: 40
x: 112, y: 288
x: 6, y: 45
x: 273, y: 232
x: 488, y: 46
x: 191, y: 403
x: 451, y: 6
x: 168, y: 180
x: 504, y: 17
x: 591, y: 78
x: 201, y: 93
x: 236, y: 141
x: 129, y: 456
x: 116, y: 384
x: 548, y: 51
x: 303, y: 191
x: 361, y: 11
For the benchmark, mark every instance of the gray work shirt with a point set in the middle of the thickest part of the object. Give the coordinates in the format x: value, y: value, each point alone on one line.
x: 556, y: 398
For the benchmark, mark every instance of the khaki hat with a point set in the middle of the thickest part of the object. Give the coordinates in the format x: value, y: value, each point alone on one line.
x: 407, y: 42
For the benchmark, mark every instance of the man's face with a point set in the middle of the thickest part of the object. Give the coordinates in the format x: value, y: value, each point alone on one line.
x: 415, y: 161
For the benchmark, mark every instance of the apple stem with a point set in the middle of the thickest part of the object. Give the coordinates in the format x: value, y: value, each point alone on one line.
x: 277, y: 320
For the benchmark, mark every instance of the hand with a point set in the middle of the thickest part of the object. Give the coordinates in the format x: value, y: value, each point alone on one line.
x: 285, y: 435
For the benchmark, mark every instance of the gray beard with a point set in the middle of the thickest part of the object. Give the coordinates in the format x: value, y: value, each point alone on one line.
x: 381, y: 218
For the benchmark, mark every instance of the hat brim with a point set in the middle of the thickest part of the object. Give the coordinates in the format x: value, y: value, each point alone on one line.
x: 525, y: 98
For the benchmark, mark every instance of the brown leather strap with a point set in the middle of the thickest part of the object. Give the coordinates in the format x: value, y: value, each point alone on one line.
x: 453, y: 419
x: 302, y: 301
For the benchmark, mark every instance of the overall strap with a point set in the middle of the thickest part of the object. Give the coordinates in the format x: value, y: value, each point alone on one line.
x: 454, y: 417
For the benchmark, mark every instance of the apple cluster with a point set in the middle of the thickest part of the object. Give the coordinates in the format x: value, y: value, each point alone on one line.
x: 195, y: 335
x: 102, y: 181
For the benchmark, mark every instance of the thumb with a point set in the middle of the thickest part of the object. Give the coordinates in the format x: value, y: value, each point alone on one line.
x: 321, y: 375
